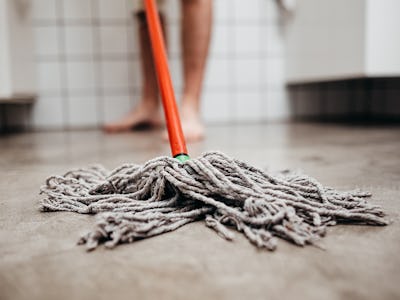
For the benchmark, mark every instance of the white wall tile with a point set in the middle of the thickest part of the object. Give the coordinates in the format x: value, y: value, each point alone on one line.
x: 176, y: 70
x: 216, y: 107
x: 135, y: 71
x: 114, y: 39
x: 115, y: 107
x: 217, y: 72
x: 272, y: 40
x: 275, y: 72
x: 172, y: 9
x: 44, y: 10
x: 269, y: 11
x: 80, y: 75
x: 77, y: 9
x: 79, y: 40
x: 220, y: 39
x: 278, y: 106
x: 49, y: 77
x: 115, y: 9
x: 46, y: 40
x: 247, y: 72
x: 114, y: 74
x: 222, y: 10
x: 174, y: 40
x: 247, y: 39
x: 133, y: 37
x: 248, y: 10
x: 48, y: 113
x: 248, y: 106
x: 82, y: 111
x: 130, y: 5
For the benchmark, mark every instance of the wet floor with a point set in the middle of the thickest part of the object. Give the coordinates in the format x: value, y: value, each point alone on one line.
x: 39, y: 258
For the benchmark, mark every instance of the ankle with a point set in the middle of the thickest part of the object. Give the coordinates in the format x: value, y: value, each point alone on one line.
x: 190, y: 104
x: 149, y: 104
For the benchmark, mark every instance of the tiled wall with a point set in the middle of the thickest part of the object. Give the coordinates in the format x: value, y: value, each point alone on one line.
x: 88, y: 61
x: 88, y: 68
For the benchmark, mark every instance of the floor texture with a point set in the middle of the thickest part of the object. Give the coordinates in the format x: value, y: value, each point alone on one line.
x: 39, y: 258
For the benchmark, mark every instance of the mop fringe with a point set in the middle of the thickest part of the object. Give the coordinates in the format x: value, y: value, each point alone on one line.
x: 139, y: 201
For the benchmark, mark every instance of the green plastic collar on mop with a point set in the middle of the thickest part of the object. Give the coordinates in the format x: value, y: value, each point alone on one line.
x: 182, y: 157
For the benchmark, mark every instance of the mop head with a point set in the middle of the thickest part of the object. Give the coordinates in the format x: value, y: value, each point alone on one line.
x: 140, y: 201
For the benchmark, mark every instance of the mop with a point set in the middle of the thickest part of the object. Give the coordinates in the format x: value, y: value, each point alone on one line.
x: 134, y: 202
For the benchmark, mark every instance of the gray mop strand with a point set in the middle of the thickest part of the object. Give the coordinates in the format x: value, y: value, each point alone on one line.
x: 140, y: 201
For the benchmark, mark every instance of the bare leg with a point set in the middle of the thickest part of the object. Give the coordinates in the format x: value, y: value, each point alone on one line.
x: 147, y: 110
x: 196, y: 32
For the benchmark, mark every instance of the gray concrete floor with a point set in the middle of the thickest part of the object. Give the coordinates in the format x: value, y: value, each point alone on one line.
x: 39, y: 258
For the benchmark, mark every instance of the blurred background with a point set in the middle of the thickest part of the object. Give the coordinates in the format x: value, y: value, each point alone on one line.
x: 269, y: 61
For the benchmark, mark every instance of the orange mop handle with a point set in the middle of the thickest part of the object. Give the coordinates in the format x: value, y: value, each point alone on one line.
x: 175, y: 134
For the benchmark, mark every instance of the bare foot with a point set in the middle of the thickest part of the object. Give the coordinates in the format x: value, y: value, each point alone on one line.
x: 144, y: 114
x: 192, y: 126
